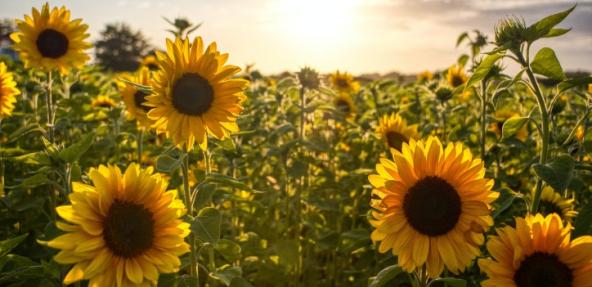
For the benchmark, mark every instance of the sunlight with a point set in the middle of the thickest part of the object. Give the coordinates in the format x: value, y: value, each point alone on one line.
x: 324, y: 22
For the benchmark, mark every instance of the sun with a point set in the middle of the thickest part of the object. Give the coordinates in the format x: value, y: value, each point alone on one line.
x: 324, y: 22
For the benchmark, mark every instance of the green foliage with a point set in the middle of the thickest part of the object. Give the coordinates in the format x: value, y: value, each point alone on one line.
x: 545, y: 63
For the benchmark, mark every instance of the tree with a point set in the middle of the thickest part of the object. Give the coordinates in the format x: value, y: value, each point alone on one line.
x: 120, y: 48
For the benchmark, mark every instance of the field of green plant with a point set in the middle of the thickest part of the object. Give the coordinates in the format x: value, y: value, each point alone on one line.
x: 190, y: 171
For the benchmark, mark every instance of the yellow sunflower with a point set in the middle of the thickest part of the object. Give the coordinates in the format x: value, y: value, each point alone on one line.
x: 8, y: 91
x: 425, y: 76
x: 344, y: 82
x: 395, y: 131
x: 580, y: 132
x: 456, y: 76
x: 344, y: 105
x: 538, y: 252
x: 149, y: 62
x: 135, y: 99
x: 431, y: 206
x: 501, y: 115
x: 49, y: 40
x: 553, y: 202
x: 195, y: 95
x: 123, y: 230
x: 103, y: 102
x: 590, y: 88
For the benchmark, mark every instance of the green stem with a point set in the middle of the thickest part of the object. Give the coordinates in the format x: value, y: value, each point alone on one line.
x: 50, y: 134
x: 544, y: 128
x: 140, y: 145
x: 483, y: 118
x: 189, y: 203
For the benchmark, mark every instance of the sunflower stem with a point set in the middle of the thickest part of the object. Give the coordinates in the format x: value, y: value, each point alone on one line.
x: 299, y: 190
x: 50, y: 135
x: 189, y: 203
x: 483, y: 117
x: 544, y: 127
x: 140, y: 145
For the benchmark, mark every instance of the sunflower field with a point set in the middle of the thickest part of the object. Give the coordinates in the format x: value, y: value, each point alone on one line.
x: 191, y: 171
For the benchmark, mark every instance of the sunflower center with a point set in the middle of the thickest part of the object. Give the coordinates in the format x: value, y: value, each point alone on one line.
x: 192, y: 95
x: 342, y: 83
x: 457, y: 80
x: 432, y: 206
x: 395, y: 140
x: 152, y: 66
x: 547, y: 207
x: 128, y: 229
x: 104, y: 104
x: 52, y: 44
x: 140, y: 99
x: 343, y: 106
x: 543, y: 270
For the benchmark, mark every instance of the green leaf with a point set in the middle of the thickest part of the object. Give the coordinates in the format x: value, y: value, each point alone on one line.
x: 572, y: 83
x: 240, y: 282
x: 7, y: 245
x: 461, y: 38
x: 230, y: 250
x: 507, y: 197
x: 287, y: 250
x: 227, y: 274
x: 556, y: 32
x: 384, y: 276
x: 546, y: 63
x: 33, y: 181
x: 583, y: 223
x: 452, y: 282
x: 206, y: 226
x: 483, y: 69
x: 73, y: 152
x: 166, y: 163
x: 227, y: 180
x: 512, y: 126
x: 544, y: 26
x: 557, y: 173
x: 140, y: 87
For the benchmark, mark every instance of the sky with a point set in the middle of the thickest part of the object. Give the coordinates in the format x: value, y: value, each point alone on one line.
x: 359, y: 36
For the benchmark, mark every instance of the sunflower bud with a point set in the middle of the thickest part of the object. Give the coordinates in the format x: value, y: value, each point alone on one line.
x: 509, y: 33
x: 309, y: 78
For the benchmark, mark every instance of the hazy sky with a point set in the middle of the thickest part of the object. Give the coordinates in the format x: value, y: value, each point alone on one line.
x: 356, y: 35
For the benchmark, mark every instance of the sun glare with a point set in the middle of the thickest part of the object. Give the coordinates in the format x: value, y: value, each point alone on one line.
x: 320, y: 21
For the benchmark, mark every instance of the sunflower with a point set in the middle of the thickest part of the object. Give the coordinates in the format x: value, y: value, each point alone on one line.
x: 8, y: 91
x: 538, y: 252
x: 103, y: 102
x: 135, y: 99
x: 50, y: 40
x: 344, y: 82
x: 431, y: 206
x: 344, y: 105
x: 195, y: 94
x: 500, y: 116
x: 425, y: 76
x: 395, y: 131
x: 123, y: 230
x: 553, y: 202
x: 149, y: 62
x: 580, y: 132
x: 590, y: 88
x: 456, y: 76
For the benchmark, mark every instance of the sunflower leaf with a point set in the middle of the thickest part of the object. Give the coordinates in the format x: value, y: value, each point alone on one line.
x: 384, y: 276
x: 545, y: 26
x: 557, y: 173
x: 74, y: 151
x: 7, y: 245
x: 583, y: 222
x: 512, y: 126
x: 206, y: 226
x: 545, y: 63
x: 483, y: 69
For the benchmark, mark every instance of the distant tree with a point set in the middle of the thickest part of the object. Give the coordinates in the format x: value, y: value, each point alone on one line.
x: 120, y: 48
x: 7, y: 27
x: 181, y: 27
